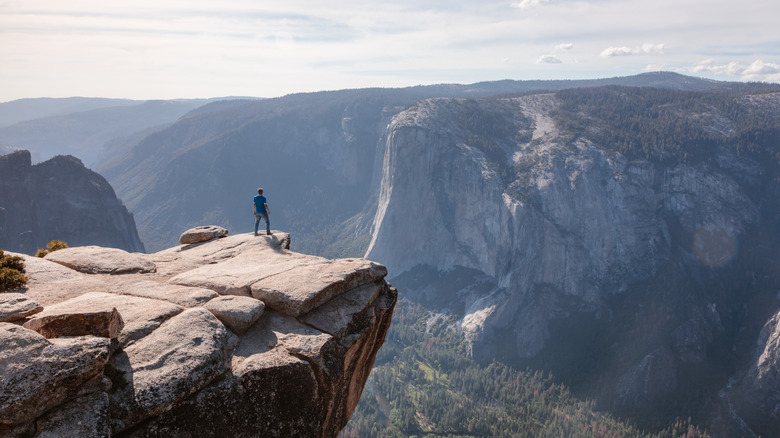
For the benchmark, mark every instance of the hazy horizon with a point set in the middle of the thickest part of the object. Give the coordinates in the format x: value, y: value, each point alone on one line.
x: 198, y: 49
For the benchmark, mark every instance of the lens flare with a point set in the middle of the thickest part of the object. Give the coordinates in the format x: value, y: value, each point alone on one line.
x: 714, y: 245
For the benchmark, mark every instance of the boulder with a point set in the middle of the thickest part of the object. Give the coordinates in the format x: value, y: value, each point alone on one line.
x: 202, y: 234
x: 54, y: 324
x: 14, y: 306
x: 39, y: 374
x: 98, y: 260
x: 237, y: 313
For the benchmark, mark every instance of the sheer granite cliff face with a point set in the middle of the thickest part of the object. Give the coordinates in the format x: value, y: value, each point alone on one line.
x: 623, y: 275
x: 558, y: 228
x: 232, y: 336
x: 63, y: 200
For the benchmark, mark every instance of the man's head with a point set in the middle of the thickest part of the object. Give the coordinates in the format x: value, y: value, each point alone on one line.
x: 259, y: 191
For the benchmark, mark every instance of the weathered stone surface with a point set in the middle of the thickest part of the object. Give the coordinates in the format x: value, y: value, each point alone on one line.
x: 99, y: 260
x: 176, y: 370
x: 282, y: 332
x: 184, y: 296
x: 235, y: 263
x: 179, y: 259
x: 15, y: 306
x: 314, y: 284
x: 336, y: 316
x: 237, y: 313
x: 18, y: 430
x: 40, y: 270
x: 288, y: 379
x: 179, y: 358
x: 39, y: 373
x: 140, y: 315
x: 202, y: 234
x: 83, y: 417
x: 54, y: 323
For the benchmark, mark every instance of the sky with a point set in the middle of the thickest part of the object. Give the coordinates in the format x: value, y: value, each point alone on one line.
x: 166, y: 49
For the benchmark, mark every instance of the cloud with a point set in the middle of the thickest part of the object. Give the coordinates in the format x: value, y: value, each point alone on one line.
x: 617, y: 51
x: 756, y: 71
x: 645, y: 49
x: 528, y: 4
x: 549, y: 59
x: 653, y: 49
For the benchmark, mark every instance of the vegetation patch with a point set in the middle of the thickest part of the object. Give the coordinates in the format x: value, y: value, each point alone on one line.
x: 423, y: 385
x: 669, y: 125
x: 54, y: 245
x: 487, y: 127
x: 11, y: 272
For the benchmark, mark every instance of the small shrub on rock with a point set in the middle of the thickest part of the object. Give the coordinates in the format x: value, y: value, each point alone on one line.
x: 11, y: 272
x: 54, y: 245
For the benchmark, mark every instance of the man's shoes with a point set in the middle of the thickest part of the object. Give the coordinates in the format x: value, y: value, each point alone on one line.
x: 255, y: 234
x: 270, y: 234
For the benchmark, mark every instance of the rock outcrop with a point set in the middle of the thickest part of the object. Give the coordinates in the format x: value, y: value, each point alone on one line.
x: 755, y: 399
x: 60, y: 199
x: 159, y: 352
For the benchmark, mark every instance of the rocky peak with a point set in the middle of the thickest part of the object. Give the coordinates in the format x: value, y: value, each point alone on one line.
x: 231, y: 336
x: 63, y: 200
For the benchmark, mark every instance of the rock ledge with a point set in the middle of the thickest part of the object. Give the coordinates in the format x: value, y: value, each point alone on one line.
x: 234, y: 336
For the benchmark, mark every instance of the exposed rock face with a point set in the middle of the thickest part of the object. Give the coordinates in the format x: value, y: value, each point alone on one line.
x: 540, y: 225
x: 60, y: 199
x: 147, y: 356
x: 756, y: 398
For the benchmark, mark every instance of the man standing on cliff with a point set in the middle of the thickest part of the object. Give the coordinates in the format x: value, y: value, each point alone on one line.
x: 261, y: 212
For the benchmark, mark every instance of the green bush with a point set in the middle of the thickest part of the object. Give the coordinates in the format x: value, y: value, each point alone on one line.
x: 54, y: 245
x: 11, y: 272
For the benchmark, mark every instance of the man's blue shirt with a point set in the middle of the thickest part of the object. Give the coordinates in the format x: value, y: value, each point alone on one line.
x: 260, y: 202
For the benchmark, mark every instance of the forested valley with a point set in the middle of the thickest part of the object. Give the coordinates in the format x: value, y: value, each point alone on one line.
x: 424, y: 385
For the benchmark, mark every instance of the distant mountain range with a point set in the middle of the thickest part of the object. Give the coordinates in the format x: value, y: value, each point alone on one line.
x: 619, y: 232
x: 81, y: 126
x: 318, y: 154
